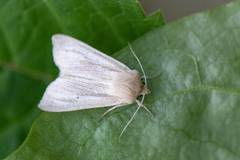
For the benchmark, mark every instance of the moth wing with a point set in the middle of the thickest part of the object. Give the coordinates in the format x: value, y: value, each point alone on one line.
x: 74, y: 57
x: 85, y: 79
x: 71, y: 93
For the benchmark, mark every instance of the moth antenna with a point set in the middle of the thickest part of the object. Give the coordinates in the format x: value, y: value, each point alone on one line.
x: 145, y: 79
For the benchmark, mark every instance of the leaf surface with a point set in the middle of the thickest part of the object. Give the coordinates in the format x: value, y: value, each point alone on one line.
x: 195, y: 101
x: 26, y: 63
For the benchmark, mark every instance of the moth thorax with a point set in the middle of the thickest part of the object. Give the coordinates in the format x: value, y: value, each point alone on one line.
x: 128, y: 86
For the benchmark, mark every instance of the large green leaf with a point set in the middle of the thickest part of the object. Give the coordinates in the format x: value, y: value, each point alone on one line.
x: 195, y: 101
x: 26, y: 64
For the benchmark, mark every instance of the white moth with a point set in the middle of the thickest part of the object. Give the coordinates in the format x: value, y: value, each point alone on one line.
x: 90, y: 79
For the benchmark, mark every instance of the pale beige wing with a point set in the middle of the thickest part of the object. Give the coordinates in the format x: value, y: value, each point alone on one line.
x: 85, y: 79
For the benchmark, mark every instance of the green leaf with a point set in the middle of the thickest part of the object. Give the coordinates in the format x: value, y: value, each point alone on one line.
x: 26, y: 63
x: 195, y: 101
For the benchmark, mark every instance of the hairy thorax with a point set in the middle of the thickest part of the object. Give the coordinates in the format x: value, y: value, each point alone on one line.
x: 128, y: 86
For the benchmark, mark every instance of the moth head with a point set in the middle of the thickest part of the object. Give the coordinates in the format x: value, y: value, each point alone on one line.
x: 144, y: 91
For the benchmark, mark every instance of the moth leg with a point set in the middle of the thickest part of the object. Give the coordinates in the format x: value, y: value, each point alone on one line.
x: 129, y: 122
x: 140, y: 105
x: 109, y: 111
x: 152, y: 76
x: 138, y: 102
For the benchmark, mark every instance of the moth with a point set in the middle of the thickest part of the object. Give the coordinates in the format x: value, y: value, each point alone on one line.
x: 89, y: 78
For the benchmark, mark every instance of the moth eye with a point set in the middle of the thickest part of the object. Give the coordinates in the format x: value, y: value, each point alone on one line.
x: 77, y: 97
